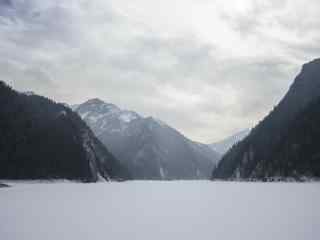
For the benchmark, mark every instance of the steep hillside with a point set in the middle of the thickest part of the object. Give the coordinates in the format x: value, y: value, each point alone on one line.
x: 262, y: 153
x: 43, y: 140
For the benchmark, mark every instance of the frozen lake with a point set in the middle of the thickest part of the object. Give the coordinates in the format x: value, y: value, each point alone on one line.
x: 146, y: 210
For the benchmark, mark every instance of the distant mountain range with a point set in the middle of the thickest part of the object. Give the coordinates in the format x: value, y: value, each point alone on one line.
x: 148, y: 147
x: 286, y: 143
x: 43, y: 140
x: 224, y: 145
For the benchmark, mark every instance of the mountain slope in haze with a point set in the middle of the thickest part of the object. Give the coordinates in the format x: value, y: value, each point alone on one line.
x: 224, y: 145
x: 149, y: 148
x: 272, y: 149
x: 43, y: 140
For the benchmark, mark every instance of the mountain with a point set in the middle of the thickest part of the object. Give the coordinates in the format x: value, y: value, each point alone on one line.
x: 43, y: 140
x: 224, y: 145
x: 284, y: 144
x: 149, y: 148
x: 298, y: 152
x: 29, y: 93
x: 74, y: 106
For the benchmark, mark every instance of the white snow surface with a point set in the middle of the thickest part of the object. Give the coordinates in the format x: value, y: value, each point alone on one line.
x: 84, y: 115
x: 127, y: 116
x: 146, y: 210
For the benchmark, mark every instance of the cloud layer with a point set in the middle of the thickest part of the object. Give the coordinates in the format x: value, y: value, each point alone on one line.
x: 208, y: 68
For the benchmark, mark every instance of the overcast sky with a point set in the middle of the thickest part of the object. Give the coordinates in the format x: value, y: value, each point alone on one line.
x: 206, y: 67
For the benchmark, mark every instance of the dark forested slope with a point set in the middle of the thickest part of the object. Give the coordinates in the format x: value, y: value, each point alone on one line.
x: 277, y: 146
x: 40, y: 139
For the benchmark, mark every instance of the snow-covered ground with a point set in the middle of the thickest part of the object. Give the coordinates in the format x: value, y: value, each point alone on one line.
x: 142, y: 210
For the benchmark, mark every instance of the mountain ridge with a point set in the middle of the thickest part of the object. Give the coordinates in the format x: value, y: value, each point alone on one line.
x: 254, y: 157
x: 150, y: 147
x: 41, y: 139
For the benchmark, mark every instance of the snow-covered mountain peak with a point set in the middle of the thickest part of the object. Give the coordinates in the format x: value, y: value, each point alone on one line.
x: 128, y: 116
x: 97, y: 104
x: 102, y: 116
x: 155, y: 121
x: 96, y: 101
x: 148, y: 147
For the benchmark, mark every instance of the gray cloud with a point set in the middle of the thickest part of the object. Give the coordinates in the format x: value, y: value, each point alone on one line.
x: 257, y: 15
x: 74, y: 50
